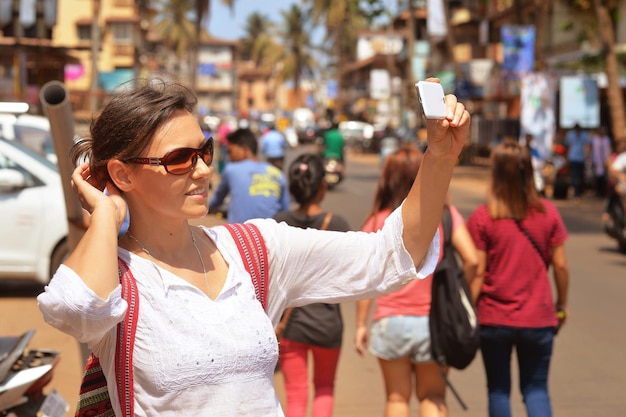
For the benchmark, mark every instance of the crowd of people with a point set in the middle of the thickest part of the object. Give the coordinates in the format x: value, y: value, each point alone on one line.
x: 204, y: 345
x: 585, y: 156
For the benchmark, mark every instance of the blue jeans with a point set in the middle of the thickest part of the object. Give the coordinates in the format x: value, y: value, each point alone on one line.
x: 534, y: 350
x: 577, y: 172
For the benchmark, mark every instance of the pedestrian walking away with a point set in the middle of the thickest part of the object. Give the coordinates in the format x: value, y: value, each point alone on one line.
x: 519, y: 236
x: 600, y: 158
x: 273, y: 146
x: 578, y: 143
x: 202, y: 343
x: 315, y: 328
x: 400, y: 335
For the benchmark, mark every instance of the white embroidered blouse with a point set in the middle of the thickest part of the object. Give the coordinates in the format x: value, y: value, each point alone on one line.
x: 195, y: 356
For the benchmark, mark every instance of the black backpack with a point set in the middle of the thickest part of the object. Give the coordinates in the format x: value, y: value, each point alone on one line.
x: 454, y: 329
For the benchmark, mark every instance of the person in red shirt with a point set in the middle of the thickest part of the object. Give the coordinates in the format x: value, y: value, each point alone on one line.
x: 518, y: 236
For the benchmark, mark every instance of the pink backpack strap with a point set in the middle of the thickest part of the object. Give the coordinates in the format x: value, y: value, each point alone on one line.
x: 94, y: 399
x: 126, y: 341
x: 254, y: 254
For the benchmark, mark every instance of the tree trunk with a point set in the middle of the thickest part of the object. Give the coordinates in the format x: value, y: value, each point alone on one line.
x: 340, y: 100
x: 614, y: 90
x: 95, y: 48
x: 542, y: 8
x: 193, y: 61
x: 296, y: 91
x: 450, y: 43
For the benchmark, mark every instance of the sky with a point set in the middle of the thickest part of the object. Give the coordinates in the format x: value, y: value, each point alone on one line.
x: 223, y: 24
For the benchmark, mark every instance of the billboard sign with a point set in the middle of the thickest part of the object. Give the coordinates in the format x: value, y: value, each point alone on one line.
x: 518, y: 48
x: 380, y: 84
x: 579, y: 102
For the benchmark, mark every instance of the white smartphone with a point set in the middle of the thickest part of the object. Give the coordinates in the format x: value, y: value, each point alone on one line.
x: 432, y: 99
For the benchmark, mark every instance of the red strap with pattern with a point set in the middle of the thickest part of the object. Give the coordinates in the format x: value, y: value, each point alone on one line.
x: 254, y: 254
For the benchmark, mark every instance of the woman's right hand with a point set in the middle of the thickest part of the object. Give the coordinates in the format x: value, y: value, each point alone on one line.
x: 91, y: 197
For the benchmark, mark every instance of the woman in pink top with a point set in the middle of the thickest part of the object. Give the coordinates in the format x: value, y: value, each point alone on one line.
x: 400, y: 336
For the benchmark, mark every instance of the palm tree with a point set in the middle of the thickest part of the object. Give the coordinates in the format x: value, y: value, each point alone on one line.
x: 293, y: 59
x: 180, y: 25
x: 342, y: 19
x: 336, y: 17
x: 256, y: 44
x: 257, y: 41
x: 202, y: 9
x: 174, y: 27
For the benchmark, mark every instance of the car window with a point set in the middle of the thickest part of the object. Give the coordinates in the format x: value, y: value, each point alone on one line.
x: 36, y: 139
x: 40, y: 158
x: 6, y: 163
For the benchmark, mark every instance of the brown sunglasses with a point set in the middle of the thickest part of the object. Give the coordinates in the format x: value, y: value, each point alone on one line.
x: 180, y: 161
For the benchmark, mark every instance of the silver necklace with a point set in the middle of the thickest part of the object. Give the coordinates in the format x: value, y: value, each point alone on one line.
x: 195, y: 245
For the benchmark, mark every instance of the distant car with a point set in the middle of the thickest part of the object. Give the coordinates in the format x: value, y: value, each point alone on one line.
x: 32, y: 131
x: 312, y: 134
x: 291, y: 136
x: 33, y: 219
x: 303, y: 121
x: 358, y: 135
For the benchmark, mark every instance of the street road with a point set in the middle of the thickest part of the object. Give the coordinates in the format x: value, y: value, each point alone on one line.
x: 587, y: 376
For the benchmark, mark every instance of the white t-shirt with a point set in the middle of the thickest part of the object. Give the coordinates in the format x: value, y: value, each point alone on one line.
x: 194, y: 356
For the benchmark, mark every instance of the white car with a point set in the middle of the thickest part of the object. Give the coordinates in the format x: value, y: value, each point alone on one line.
x: 358, y: 135
x: 30, y: 130
x: 33, y: 218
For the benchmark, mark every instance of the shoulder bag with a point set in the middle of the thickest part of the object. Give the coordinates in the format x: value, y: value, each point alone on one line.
x: 533, y: 242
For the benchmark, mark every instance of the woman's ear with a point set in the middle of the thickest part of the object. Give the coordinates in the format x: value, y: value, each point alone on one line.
x: 120, y: 174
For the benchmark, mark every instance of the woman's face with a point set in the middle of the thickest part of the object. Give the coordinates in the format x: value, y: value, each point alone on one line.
x: 158, y: 193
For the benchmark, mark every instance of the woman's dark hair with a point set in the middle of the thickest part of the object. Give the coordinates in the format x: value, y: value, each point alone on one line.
x: 512, y: 191
x: 129, y: 121
x: 399, y: 172
x: 306, y: 174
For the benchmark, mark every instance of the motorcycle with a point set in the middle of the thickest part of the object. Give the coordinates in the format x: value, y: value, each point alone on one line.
x: 23, y: 376
x: 334, y: 169
x: 615, y: 221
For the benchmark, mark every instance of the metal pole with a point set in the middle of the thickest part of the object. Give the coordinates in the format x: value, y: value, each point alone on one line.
x: 56, y: 106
